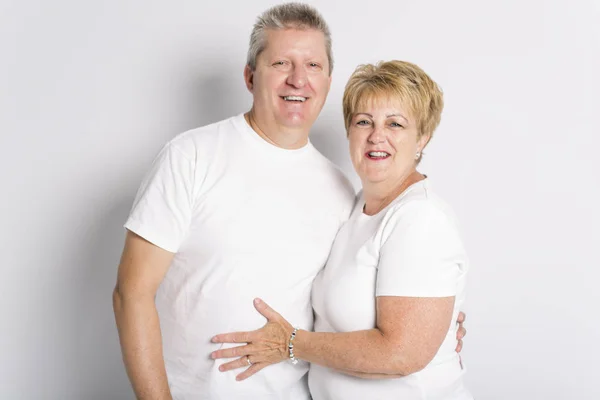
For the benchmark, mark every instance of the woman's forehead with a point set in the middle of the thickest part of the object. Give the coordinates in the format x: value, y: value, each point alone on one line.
x: 371, y: 101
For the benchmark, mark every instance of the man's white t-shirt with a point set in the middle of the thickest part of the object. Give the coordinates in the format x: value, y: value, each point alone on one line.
x: 245, y: 219
x: 411, y: 248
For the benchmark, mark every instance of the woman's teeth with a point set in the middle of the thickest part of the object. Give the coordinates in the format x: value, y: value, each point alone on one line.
x: 378, y: 154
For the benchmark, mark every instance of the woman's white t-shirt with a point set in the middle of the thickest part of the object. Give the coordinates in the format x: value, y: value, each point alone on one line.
x: 411, y: 248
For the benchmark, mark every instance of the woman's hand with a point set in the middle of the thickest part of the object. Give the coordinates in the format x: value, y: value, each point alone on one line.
x: 265, y: 346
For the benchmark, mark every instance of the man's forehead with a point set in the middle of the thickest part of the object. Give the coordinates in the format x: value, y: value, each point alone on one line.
x: 294, y: 38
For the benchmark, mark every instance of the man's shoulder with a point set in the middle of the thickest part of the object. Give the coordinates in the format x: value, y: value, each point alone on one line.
x: 195, y: 140
x: 334, y: 179
x: 204, y: 133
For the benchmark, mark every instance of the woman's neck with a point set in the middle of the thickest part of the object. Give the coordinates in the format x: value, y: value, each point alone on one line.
x: 379, y: 196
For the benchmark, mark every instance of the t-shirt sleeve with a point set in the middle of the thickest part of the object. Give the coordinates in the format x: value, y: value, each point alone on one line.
x: 422, y: 254
x: 162, y: 209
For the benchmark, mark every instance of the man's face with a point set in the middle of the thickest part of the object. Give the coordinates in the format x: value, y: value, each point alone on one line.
x: 291, y: 80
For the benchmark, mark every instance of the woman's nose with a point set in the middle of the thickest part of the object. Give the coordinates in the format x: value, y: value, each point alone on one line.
x: 376, y: 137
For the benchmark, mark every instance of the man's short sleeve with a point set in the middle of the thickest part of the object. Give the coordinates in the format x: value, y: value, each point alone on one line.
x: 162, y: 208
x: 422, y: 255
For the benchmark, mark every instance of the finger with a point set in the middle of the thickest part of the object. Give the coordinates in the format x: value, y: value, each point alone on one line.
x: 461, y: 317
x: 234, y: 351
x: 251, y: 371
x: 265, y: 310
x: 233, y: 337
x: 460, y: 333
x: 459, y: 346
x: 239, y: 363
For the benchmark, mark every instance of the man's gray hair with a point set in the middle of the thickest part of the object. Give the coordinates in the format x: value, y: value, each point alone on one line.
x: 286, y: 16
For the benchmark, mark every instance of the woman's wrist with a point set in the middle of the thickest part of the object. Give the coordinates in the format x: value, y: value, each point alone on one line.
x: 291, y: 344
x: 299, y: 343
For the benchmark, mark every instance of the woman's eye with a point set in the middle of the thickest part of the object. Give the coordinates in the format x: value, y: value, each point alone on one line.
x: 363, y: 122
x: 396, y: 125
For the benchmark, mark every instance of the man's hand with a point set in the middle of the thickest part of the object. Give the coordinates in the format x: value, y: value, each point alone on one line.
x: 461, y: 332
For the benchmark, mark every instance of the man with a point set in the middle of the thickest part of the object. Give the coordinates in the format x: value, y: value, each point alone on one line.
x: 243, y: 208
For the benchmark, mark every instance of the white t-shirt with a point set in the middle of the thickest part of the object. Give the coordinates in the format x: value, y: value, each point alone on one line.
x: 246, y: 219
x: 411, y: 248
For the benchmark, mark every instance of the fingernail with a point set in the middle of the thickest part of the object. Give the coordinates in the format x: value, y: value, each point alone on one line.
x: 212, y: 355
x: 257, y: 301
x: 221, y: 368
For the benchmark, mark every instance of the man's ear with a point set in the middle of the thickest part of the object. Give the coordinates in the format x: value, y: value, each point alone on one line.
x: 249, y: 77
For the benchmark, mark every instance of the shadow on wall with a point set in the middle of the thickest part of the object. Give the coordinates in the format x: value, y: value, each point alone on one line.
x: 209, y: 96
x: 97, y: 362
x: 329, y: 137
x: 93, y: 355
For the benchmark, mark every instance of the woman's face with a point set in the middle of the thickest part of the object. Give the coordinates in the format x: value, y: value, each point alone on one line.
x: 384, y: 142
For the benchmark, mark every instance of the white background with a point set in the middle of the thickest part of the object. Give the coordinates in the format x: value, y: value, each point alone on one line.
x: 91, y: 90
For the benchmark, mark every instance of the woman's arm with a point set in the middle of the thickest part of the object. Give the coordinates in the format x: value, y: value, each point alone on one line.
x: 409, y: 332
x: 363, y: 375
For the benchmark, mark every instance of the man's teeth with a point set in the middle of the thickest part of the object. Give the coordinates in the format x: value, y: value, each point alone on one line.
x: 378, y: 154
x: 294, y: 98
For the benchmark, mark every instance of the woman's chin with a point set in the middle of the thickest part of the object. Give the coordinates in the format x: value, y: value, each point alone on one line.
x: 373, y: 178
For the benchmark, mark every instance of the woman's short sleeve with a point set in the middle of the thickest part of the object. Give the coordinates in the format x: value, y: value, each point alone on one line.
x: 421, y: 254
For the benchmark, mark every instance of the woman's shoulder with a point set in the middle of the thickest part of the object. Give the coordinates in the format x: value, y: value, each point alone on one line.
x: 420, y: 203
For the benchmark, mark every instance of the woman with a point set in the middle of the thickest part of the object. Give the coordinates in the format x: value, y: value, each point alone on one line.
x: 394, y: 282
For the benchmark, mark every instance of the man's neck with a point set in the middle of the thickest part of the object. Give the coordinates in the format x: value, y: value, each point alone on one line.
x: 289, y: 139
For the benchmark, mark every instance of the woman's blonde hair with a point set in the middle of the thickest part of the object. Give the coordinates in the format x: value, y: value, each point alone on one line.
x: 395, y: 80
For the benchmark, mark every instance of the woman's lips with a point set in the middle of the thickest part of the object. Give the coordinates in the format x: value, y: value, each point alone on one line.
x: 377, y: 155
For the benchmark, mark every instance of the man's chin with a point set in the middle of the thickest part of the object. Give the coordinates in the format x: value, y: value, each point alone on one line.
x: 296, y: 122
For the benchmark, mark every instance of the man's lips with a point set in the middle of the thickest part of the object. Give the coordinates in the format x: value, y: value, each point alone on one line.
x: 294, y: 98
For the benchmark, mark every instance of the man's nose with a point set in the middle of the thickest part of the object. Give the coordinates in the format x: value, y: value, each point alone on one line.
x: 297, y: 77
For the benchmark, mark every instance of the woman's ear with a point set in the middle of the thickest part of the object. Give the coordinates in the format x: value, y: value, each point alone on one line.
x: 422, y: 142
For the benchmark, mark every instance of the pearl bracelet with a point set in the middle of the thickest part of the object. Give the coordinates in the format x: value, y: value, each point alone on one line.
x: 293, y: 359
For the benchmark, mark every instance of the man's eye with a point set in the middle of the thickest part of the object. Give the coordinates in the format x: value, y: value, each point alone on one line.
x: 278, y: 63
x: 314, y: 65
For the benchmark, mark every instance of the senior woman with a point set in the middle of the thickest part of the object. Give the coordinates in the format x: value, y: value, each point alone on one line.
x: 395, y: 279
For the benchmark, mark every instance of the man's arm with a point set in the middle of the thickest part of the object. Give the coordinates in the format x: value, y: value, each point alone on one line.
x: 141, y: 270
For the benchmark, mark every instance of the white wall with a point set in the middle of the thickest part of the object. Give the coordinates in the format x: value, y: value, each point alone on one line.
x: 90, y: 90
